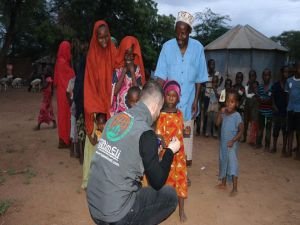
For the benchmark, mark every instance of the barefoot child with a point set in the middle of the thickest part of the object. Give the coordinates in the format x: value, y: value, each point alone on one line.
x: 89, y: 148
x: 170, y: 124
x: 46, y: 111
x: 231, y: 131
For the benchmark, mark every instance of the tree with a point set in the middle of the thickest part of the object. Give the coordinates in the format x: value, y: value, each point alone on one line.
x: 290, y: 40
x: 34, y: 28
x: 164, y: 30
x: 210, y: 26
x: 28, y: 28
x: 9, y: 11
x: 132, y: 17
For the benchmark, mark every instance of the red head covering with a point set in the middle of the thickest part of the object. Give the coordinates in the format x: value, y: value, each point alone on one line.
x: 63, y: 71
x: 126, y: 43
x: 98, y: 78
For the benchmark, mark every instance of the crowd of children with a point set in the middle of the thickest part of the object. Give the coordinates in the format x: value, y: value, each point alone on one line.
x: 262, y: 106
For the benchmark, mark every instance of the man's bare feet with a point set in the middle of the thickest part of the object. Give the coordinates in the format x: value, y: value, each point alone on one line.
x: 221, y: 186
x: 182, y: 216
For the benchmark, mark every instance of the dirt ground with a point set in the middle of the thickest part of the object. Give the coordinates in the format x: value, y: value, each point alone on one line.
x: 41, y: 183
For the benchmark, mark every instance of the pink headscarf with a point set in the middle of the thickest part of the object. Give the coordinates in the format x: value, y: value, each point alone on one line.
x: 172, y: 85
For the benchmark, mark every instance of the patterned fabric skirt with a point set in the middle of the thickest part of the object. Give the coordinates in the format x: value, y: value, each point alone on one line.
x: 80, y: 128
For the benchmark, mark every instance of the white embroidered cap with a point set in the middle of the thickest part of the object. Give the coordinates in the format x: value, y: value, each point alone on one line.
x: 185, y: 17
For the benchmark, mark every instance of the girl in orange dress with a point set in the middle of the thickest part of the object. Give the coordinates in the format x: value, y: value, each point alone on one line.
x: 170, y: 124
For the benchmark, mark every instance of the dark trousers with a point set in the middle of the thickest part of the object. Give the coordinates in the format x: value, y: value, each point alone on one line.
x: 205, y: 114
x: 264, y: 123
x: 150, y: 207
x: 279, y: 123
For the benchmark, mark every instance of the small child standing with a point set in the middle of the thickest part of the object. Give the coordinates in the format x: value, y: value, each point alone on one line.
x: 170, y: 124
x: 231, y: 132
x: 89, y: 148
x: 213, y: 108
x: 46, y: 111
x: 265, y: 110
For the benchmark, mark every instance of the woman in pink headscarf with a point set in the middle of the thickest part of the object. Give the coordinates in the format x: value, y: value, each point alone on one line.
x: 62, y: 74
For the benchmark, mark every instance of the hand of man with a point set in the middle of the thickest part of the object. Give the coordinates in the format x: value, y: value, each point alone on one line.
x: 194, y: 109
x: 174, y: 145
x: 230, y: 143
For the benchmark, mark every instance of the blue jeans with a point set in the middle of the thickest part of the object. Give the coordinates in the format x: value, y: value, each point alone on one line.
x: 150, y: 207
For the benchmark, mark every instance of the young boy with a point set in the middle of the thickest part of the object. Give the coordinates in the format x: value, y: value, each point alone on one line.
x: 292, y: 87
x: 279, y: 97
x: 265, y: 110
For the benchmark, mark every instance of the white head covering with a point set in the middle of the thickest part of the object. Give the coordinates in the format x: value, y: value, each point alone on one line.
x: 185, y: 17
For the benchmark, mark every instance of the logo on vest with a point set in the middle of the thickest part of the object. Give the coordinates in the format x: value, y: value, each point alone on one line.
x: 119, y: 126
x: 108, y: 152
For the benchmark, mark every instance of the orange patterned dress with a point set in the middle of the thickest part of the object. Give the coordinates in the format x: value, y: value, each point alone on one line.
x: 170, y: 125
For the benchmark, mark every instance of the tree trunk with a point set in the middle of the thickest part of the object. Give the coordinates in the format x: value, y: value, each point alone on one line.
x: 14, y: 7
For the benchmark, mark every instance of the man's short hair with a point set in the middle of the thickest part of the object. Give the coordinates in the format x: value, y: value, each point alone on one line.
x: 152, y: 91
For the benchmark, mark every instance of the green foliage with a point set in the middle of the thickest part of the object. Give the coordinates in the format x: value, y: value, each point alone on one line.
x: 290, y: 40
x: 2, y: 180
x: 131, y: 17
x: 4, y: 205
x: 11, y: 171
x: 42, y: 24
x: 210, y: 26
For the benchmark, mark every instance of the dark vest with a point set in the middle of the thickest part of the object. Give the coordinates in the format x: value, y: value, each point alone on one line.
x: 117, y: 167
